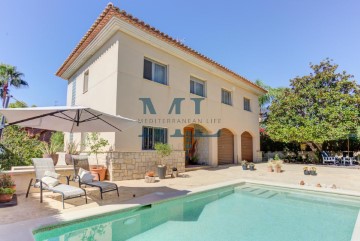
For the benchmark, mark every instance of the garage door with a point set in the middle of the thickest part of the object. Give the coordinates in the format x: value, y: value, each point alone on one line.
x: 225, y: 147
x: 246, y: 147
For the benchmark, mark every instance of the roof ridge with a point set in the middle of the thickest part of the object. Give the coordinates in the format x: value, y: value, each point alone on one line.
x: 115, y: 11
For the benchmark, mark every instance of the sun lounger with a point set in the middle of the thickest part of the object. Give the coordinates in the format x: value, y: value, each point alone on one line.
x: 328, y: 159
x: 45, y: 171
x: 81, y: 163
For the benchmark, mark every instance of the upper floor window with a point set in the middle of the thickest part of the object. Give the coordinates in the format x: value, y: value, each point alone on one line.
x: 86, y: 81
x: 247, y: 104
x: 152, y: 135
x: 197, y: 87
x: 226, y: 97
x: 155, y: 71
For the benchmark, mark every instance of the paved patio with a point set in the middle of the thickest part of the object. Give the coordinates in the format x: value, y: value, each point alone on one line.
x: 30, y: 208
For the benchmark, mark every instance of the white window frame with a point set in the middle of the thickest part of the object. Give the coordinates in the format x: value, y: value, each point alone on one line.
x: 199, y: 81
x: 153, y: 62
x: 86, y: 82
x: 249, y: 104
x: 231, y: 97
x: 166, y: 139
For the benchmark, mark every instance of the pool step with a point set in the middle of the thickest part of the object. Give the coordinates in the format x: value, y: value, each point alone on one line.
x: 259, y: 192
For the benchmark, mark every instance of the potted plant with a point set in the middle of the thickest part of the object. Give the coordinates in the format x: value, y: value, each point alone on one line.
x: 244, y: 164
x: 163, y: 150
x: 313, y: 171
x: 7, y: 187
x: 150, y: 177
x: 252, y: 166
x: 6, y: 194
x: 276, y: 157
x: 174, y: 172
x: 95, y: 144
x: 49, y: 151
x: 270, y: 166
x: 71, y: 149
x: 7, y: 182
x: 306, y: 171
x: 278, y: 165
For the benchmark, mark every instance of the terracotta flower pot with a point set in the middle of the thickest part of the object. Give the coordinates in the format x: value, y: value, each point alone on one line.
x: 98, y: 171
x: 68, y: 159
x: 278, y: 169
x: 270, y: 169
x: 5, y: 198
x: 54, y: 157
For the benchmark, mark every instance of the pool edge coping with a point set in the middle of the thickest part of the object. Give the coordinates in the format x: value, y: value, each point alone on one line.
x: 24, y: 229
x: 356, y: 233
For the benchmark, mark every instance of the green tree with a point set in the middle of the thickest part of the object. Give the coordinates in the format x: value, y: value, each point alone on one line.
x: 17, y: 148
x: 321, y: 106
x: 95, y: 144
x: 10, y: 76
x: 57, y: 139
x: 18, y: 104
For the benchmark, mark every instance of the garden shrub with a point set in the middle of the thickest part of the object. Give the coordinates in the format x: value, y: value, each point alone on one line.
x: 17, y: 148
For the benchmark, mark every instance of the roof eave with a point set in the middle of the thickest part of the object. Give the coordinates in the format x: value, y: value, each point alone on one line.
x: 111, y: 11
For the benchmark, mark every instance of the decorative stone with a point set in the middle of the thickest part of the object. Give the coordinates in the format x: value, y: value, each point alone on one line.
x: 149, y: 179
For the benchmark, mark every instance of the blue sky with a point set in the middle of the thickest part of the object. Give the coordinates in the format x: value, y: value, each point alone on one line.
x: 260, y: 39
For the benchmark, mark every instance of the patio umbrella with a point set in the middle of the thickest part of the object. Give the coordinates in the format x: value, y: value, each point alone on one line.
x: 66, y: 119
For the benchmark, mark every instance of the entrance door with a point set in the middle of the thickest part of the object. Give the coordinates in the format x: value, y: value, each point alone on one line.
x: 225, y: 147
x: 246, y: 147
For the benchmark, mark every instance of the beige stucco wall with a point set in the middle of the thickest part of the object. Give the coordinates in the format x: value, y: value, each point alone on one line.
x: 132, y: 86
x: 116, y: 83
x: 101, y: 94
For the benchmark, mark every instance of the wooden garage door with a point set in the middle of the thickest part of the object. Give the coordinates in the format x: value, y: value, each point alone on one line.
x: 246, y: 147
x: 225, y: 147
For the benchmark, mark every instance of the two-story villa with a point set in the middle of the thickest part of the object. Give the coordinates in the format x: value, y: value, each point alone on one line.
x: 126, y: 67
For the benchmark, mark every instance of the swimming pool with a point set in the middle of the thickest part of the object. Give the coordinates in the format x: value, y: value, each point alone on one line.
x: 244, y: 212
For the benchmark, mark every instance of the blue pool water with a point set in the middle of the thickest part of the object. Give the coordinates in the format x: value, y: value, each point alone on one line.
x: 247, y: 213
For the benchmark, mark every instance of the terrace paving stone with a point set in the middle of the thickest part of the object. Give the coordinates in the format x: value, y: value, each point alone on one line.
x: 344, y: 178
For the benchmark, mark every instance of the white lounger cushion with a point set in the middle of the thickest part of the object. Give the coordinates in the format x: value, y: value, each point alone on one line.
x: 52, y: 174
x: 68, y: 191
x: 85, y: 176
x: 50, y: 181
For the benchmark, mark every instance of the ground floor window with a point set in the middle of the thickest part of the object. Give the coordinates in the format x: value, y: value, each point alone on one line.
x: 152, y: 135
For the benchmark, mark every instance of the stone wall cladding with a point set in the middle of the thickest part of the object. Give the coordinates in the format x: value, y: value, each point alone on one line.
x: 202, y: 150
x: 134, y: 165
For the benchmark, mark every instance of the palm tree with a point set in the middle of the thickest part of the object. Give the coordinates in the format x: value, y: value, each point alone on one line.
x: 9, y: 76
x: 267, y: 98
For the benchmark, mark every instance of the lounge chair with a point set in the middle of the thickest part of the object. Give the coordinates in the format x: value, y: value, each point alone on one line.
x: 347, y: 160
x: 82, y: 163
x: 44, y: 167
x: 328, y: 159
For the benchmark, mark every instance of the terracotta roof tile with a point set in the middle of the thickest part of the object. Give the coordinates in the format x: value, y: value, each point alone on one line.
x: 111, y: 11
